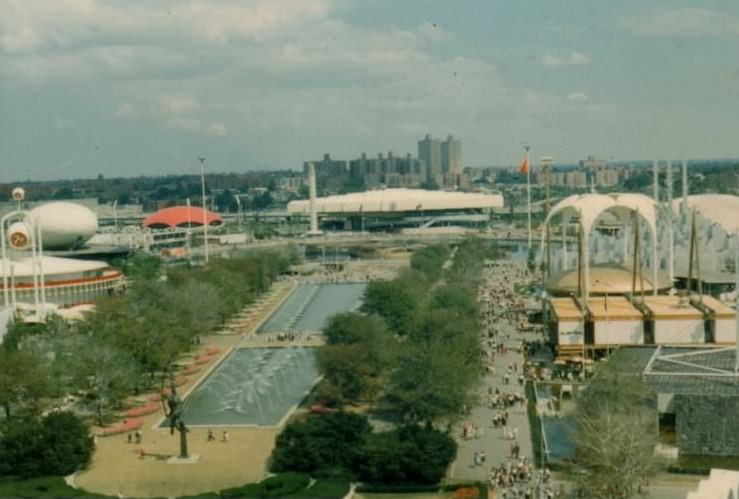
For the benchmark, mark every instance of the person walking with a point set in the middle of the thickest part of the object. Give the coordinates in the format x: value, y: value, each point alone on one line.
x: 211, y: 436
x: 224, y: 436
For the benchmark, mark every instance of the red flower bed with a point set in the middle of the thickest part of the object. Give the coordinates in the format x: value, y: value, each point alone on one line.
x: 321, y: 409
x: 143, y: 410
x: 191, y: 369
x: 124, y: 427
x: 203, y: 359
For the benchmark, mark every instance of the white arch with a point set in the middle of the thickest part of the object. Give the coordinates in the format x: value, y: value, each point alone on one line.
x: 589, y: 207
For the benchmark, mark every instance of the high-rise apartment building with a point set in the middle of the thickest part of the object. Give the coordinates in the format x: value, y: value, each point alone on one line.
x: 330, y: 173
x: 451, y: 157
x: 429, y: 152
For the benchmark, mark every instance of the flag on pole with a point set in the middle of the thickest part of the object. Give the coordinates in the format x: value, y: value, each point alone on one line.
x: 524, y: 165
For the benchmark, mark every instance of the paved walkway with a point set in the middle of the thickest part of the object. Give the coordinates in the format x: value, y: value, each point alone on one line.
x: 492, y: 441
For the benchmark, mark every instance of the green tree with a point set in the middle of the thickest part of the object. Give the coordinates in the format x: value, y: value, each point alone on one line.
x: 399, y: 302
x: 351, y: 327
x: 430, y: 260
x: 21, y: 448
x: 23, y: 381
x: 58, y: 444
x: 67, y: 445
x: 411, y: 454
x: 455, y: 296
x: 106, y: 374
x: 356, y: 358
x: 438, y: 368
x: 324, y: 444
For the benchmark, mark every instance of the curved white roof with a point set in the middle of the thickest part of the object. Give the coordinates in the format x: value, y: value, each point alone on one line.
x: 591, y: 206
x: 53, y: 265
x: 65, y: 225
x: 398, y: 200
x: 722, y: 209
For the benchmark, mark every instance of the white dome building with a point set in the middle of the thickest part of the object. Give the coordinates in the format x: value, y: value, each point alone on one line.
x: 65, y: 225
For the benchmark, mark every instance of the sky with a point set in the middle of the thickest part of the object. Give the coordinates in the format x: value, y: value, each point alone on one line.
x: 146, y: 87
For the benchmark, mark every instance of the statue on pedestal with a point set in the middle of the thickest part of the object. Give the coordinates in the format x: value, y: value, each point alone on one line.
x: 173, y: 411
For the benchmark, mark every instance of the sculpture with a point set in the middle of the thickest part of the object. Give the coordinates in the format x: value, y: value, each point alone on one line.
x: 173, y: 411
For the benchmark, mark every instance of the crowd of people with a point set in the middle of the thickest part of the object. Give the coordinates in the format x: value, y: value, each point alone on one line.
x: 505, y: 352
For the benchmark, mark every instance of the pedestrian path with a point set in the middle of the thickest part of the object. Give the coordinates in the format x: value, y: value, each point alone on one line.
x: 491, y: 441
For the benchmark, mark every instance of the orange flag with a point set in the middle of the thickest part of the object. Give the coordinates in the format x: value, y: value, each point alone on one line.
x: 524, y: 165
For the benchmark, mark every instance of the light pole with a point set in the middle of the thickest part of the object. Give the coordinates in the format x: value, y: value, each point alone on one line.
x: 238, y: 209
x: 205, y: 214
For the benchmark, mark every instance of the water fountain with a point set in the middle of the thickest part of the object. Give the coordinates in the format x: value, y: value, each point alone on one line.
x: 253, y: 386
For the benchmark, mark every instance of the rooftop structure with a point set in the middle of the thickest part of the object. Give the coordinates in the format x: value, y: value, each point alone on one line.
x: 585, y: 211
x: 182, y: 216
x: 397, y: 200
x: 604, y: 279
x: 66, y: 281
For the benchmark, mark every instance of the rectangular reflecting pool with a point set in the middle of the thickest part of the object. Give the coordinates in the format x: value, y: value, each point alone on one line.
x: 253, y: 386
x: 310, y: 305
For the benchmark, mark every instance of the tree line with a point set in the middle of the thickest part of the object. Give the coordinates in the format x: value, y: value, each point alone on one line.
x: 413, y: 351
x: 130, y: 343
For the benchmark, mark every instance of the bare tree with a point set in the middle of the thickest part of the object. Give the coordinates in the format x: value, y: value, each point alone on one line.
x: 615, y: 437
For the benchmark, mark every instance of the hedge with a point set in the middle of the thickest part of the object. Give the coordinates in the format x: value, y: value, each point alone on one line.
x: 327, y: 488
x: 46, y: 486
x: 280, y: 485
x: 377, y: 488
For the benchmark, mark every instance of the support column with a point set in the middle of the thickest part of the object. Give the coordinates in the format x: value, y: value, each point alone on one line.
x: 670, y: 232
x: 564, y: 246
x: 586, y: 264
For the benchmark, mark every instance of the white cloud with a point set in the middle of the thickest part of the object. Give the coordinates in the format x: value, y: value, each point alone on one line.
x: 62, y: 123
x: 217, y: 129
x: 577, y: 97
x: 125, y: 110
x: 573, y: 59
x: 681, y: 22
x: 51, y: 25
x: 179, y: 104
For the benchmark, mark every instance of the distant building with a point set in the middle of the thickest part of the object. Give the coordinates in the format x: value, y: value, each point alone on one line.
x: 291, y: 184
x: 451, y: 156
x: 331, y: 174
x: 598, y: 172
x: 429, y: 152
x: 388, y: 171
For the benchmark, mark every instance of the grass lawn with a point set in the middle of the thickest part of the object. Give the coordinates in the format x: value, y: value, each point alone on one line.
x: 48, y: 486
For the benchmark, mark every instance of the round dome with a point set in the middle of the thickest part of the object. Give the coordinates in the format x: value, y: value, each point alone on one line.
x: 182, y: 216
x: 604, y: 279
x: 65, y: 225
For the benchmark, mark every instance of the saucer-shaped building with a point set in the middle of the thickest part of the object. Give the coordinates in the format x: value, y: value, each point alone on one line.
x: 182, y: 216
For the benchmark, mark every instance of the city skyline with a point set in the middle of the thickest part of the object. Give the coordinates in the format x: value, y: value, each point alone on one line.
x: 92, y: 87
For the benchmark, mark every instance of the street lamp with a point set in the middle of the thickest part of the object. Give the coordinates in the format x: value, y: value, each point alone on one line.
x: 205, y: 214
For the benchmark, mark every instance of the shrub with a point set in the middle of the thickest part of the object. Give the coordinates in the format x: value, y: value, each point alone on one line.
x: 320, y: 443
x: 328, y: 489
x: 67, y: 444
x: 408, y: 455
x: 59, y: 444
x: 47, y: 486
x: 281, y: 485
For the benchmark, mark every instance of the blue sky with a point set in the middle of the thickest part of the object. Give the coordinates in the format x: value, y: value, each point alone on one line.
x: 137, y: 87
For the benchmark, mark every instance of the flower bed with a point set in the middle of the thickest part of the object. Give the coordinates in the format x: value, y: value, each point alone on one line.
x: 213, y: 350
x: 125, y: 426
x: 143, y: 410
x: 191, y: 369
x: 203, y: 359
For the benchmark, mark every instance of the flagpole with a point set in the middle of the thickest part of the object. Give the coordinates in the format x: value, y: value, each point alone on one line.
x: 528, y: 191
